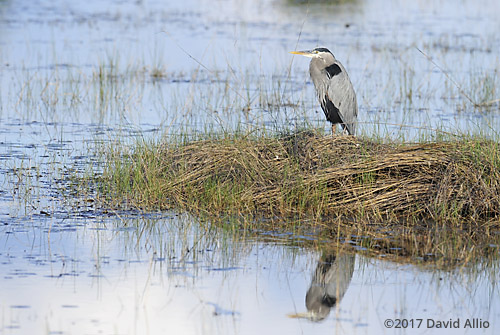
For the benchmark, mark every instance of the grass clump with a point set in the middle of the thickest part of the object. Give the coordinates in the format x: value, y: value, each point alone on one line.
x: 306, y: 175
x: 413, y: 202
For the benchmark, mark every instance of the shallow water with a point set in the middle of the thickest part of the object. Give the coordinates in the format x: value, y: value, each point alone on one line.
x: 75, y: 75
x: 168, y: 273
x: 226, y: 63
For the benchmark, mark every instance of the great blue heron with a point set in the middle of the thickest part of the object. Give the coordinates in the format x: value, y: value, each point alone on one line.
x: 334, y: 88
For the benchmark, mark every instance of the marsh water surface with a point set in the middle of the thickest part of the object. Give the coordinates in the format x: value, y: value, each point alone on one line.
x: 75, y: 76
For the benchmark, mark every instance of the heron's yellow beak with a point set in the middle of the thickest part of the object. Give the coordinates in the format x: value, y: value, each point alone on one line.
x: 306, y: 53
x: 306, y: 315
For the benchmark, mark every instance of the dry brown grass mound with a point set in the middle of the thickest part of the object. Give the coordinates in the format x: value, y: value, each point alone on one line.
x: 306, y: 175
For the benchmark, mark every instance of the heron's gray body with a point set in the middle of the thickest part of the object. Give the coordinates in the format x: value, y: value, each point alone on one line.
x: 334, y: 88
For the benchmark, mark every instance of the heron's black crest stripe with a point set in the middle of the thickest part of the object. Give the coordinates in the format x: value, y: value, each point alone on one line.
x: 333, y: 70
x: 322, y: 50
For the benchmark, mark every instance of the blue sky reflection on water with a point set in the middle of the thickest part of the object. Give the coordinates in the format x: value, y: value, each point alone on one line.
x: 88, y: 277
x: 58, y: 47
x: 79, y: 272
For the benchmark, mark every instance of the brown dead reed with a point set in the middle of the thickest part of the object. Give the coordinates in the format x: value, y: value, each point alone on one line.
x: 308, y: 175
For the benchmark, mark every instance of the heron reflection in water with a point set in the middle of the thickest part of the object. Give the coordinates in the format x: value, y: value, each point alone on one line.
x: 329, y: 283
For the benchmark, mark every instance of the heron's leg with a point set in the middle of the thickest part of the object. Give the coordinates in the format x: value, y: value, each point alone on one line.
x: 345, y: 130
x: 333, y: 129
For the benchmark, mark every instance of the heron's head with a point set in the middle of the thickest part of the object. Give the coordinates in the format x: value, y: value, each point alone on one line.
x: 322, y: 57
x: 318, y: 53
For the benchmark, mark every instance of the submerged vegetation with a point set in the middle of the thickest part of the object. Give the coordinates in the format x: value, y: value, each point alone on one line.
x: 421, y: 199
